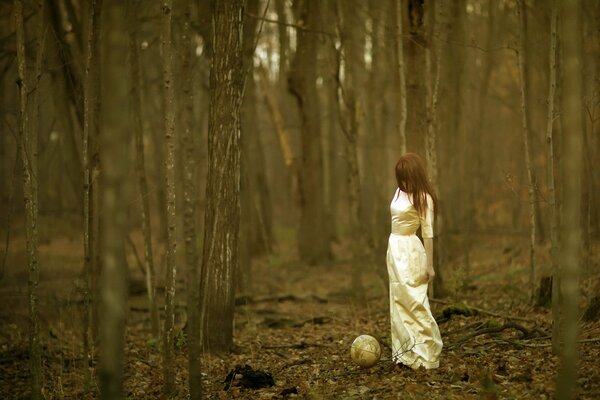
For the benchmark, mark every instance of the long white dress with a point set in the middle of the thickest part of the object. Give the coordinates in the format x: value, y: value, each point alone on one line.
x: 416, y: 339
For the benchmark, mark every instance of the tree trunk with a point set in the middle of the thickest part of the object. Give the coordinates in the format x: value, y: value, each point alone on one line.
x: 572, y: 121
x: 550, y: 165
x: 401, y: 80
x: 114, y: 216
x: 190, y: 176
x: 27, y: 143
x: 170, y: 140
x: 140, y: 164
x: 283, y: 41
x: 313, y: 236
x: 255, y: 224
x: 528, y: 143
x: 222, y: 216
x: 351, y: 117
x: 435, y: 16
x: 90, y: 120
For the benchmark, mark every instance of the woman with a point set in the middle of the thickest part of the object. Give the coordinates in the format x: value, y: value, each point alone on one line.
x: 416, y: 339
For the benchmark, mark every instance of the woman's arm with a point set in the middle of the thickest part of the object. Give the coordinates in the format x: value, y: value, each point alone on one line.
x: 428, y: 242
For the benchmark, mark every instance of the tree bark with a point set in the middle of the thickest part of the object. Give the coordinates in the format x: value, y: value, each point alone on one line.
x: 550, y: 165
x: 401, y: 79
x: 114, y: 216
x: 313, y: 236
x: 435, y: 16
x: 140, y: 165
x: 222, y: 216
x: 90, y: 120
x: 170, y: 140
x: 351, y: 116
x: 27, y: 143
x: 572, y: 121
x: 190, y: 176
x: 528, y: 143
x: 255, y: 224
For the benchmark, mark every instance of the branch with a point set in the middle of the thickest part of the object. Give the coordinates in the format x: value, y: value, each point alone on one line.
x: 295, y: 26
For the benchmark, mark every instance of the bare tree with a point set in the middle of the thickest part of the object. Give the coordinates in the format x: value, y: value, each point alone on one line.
x: 222, y: 216
x: 90, y: 120
x: 313, y: 235
x: 572, y: 121
x: 351, y: 113
x: 28, y: 148
x: 114, y: 145
x: 435, y: 18
x: 170, y: 140
x: 190, y: 175
x: 551, y: 162
x: 528, y: 142
x: 140, y: 164
x: 401, y: 79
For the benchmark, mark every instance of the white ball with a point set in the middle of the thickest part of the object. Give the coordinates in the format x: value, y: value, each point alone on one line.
x: 365, y: 351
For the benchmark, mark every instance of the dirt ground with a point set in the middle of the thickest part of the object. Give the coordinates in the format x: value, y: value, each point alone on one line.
x: 297, y: 323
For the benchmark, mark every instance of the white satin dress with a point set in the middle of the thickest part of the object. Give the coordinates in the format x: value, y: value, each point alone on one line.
x: 416, y: 339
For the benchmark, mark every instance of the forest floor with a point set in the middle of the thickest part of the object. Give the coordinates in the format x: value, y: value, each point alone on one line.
x: 297, y: 323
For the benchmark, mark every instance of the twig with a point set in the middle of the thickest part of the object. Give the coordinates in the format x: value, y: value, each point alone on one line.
x: 295, y: 26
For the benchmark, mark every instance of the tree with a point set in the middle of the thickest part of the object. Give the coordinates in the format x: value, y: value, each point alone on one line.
x: 255, y: 224
x: 90, y: 122
x: 140, y: 164
x: 27, y: 143
x: 527, y: 140
x: 551, y: 163
x: 222, y: 215
x: 401, y: 77
x: 188, y: 152
x: 170, y: 140
x: 572, y: 121
x: 350, y: 101
x: 114, y: 145
x: 436, y: 20
x: 313, y: 235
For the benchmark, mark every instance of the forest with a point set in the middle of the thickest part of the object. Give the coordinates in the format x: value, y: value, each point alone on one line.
x: 195, y: 196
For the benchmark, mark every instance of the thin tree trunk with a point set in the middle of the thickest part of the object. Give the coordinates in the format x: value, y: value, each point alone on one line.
x: 89, y: 122
x: 314, y: 232
x: 350, y: 120
x: 572, y: 121
x: 114, y: 217
x: 222, y: 216
x: 550, y: 163
x: 140, y: 165
x: 27, y: 141
x: 432, y: 147
x: 170, y: 140
x: 401, y: 79
x: 190, y: 176
x: 528, y: 143
x: 283, y: 41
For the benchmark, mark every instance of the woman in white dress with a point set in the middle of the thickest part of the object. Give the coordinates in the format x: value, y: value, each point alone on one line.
x: 416, y: 339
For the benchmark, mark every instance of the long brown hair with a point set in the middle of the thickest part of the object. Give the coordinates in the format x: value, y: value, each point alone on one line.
x: 412, y: 179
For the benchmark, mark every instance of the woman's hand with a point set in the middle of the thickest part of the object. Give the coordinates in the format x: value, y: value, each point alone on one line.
x: 430, y: 273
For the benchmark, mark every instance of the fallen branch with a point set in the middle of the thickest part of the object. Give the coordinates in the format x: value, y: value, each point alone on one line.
x: 463, y: 309
x: 244, y: 300
x: 520, y: 343
x: 300, y: 346
x: 491, y: 330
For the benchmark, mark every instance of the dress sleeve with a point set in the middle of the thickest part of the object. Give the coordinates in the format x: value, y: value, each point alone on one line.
x: 427, y: 220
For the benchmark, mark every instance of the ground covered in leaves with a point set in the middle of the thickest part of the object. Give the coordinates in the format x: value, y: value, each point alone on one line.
x: 297, y: 324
